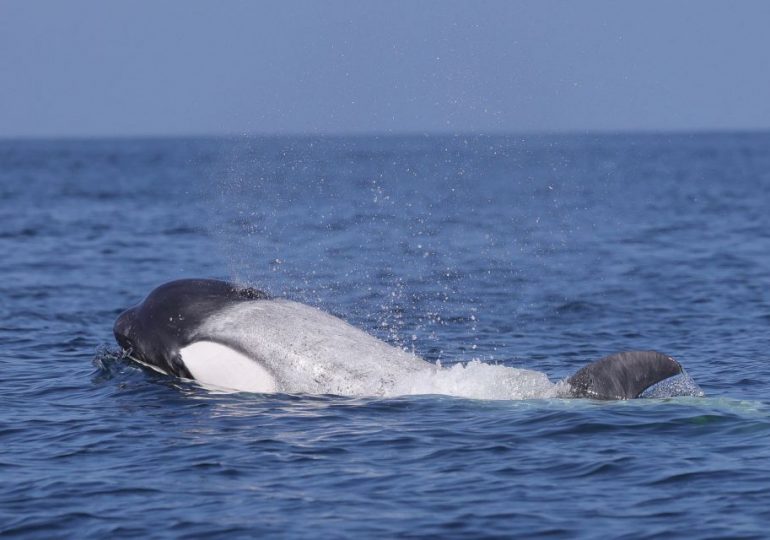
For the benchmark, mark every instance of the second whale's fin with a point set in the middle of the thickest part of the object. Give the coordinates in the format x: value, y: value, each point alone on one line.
x: 625, y: 375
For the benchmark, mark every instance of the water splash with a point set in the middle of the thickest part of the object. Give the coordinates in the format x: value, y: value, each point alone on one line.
x: 477, y: 380
x: 678, y: 385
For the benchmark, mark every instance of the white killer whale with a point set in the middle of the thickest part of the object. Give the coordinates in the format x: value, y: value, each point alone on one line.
x: 235, y: 338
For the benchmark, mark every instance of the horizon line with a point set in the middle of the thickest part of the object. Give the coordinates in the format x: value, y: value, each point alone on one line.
x: 389, y: 134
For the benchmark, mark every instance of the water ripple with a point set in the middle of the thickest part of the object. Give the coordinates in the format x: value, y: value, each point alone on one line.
x: 544, y: 254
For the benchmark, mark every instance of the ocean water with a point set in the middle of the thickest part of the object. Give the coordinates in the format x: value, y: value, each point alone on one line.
x: 540, y: 253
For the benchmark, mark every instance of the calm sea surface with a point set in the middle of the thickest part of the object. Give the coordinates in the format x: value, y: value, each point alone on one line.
x: 537, y: 252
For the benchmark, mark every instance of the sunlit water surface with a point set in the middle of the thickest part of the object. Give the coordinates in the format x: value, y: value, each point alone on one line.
x: 541, y: 253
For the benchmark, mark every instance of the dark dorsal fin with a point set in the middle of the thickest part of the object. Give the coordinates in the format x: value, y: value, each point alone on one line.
x: 623, y: 375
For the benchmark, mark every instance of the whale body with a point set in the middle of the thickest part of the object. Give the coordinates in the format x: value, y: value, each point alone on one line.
x: 234, y: 338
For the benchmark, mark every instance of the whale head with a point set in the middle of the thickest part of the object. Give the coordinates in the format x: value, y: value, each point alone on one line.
x: 154, y: 331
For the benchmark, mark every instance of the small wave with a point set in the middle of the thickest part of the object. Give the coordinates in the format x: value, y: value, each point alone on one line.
x: 578, y: 307
x: 111, y: 363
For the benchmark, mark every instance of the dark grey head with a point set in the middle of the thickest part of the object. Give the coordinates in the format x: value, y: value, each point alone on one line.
x: 154, y: 330
x: 623, y: 375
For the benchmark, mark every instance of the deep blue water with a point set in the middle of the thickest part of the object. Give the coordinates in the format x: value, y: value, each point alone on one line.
x: 535, y: 252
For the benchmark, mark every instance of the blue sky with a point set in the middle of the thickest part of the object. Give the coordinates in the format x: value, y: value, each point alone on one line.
x: 155, y: 67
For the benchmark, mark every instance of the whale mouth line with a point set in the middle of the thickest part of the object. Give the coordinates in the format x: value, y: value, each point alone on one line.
x: 128, y: 353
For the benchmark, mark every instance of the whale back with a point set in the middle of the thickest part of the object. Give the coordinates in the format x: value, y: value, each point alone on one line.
x: 310, y: 351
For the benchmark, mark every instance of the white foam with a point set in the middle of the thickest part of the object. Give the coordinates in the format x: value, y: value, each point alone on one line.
x: 477, y: 380
x: 216, y: 365
x: 306, y: 350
